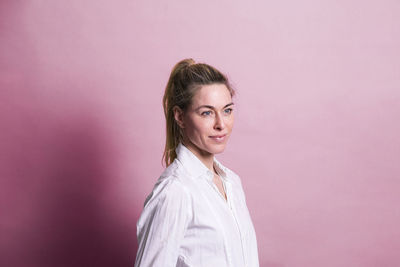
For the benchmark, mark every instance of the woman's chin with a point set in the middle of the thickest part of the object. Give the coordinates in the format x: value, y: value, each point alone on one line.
x: 217, y: 149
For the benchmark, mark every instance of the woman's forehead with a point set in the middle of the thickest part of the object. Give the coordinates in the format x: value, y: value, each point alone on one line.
x: 214, y: 95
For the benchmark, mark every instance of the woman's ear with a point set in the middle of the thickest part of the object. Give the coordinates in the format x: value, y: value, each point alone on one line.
x: 178, y: 115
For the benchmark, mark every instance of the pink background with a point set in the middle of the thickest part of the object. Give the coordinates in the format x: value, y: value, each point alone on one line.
x: 316, y: 140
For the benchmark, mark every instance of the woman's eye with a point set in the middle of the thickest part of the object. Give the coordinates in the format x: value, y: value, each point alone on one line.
x: 228, y: 111
x: 206, y: 113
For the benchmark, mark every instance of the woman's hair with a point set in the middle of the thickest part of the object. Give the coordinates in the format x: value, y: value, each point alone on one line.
x: 186, y: 78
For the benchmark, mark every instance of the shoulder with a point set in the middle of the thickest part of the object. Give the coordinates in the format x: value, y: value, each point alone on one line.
x: 174, y: 177
x: 169, y: 198
x: 170, y: 186
x: 175, y: 171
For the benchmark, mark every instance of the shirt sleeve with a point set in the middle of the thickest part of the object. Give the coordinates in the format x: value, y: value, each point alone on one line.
x: 161, y: 226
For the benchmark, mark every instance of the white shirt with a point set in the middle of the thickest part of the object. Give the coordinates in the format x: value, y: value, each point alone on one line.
x: 187, y: 222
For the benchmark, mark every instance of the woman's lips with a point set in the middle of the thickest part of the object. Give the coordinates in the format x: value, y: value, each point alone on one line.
x: 218, y: 138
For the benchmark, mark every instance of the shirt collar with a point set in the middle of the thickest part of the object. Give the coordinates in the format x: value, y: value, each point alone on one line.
x: 195, y: 166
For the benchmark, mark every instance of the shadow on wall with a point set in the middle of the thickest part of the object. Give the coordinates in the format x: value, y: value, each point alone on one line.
x: 60, y: 204
x: 76, y: 220
x: 62, y: 208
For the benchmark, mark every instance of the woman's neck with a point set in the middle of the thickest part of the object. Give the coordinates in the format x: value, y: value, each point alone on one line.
x: 204, y: 156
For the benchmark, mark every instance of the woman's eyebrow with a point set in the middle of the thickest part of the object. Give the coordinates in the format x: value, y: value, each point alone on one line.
x: 211, y: 107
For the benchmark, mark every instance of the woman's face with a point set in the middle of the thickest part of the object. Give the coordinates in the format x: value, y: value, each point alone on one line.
x: 208, y: 121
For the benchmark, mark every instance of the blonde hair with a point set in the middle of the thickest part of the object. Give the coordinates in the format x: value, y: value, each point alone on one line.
x: 186, y: 78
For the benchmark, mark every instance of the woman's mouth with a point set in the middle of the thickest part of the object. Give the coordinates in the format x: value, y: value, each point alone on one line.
x: 218, y: 138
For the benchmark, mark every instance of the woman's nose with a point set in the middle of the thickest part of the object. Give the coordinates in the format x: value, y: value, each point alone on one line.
x: 219, y: 122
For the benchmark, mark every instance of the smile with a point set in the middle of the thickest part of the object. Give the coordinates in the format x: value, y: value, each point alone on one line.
x: 218, y: 138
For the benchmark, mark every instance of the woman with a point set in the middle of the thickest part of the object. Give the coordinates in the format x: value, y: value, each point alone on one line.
x: 196, y: 214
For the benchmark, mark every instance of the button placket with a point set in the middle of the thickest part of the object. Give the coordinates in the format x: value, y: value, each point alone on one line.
x: 234, y: 215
